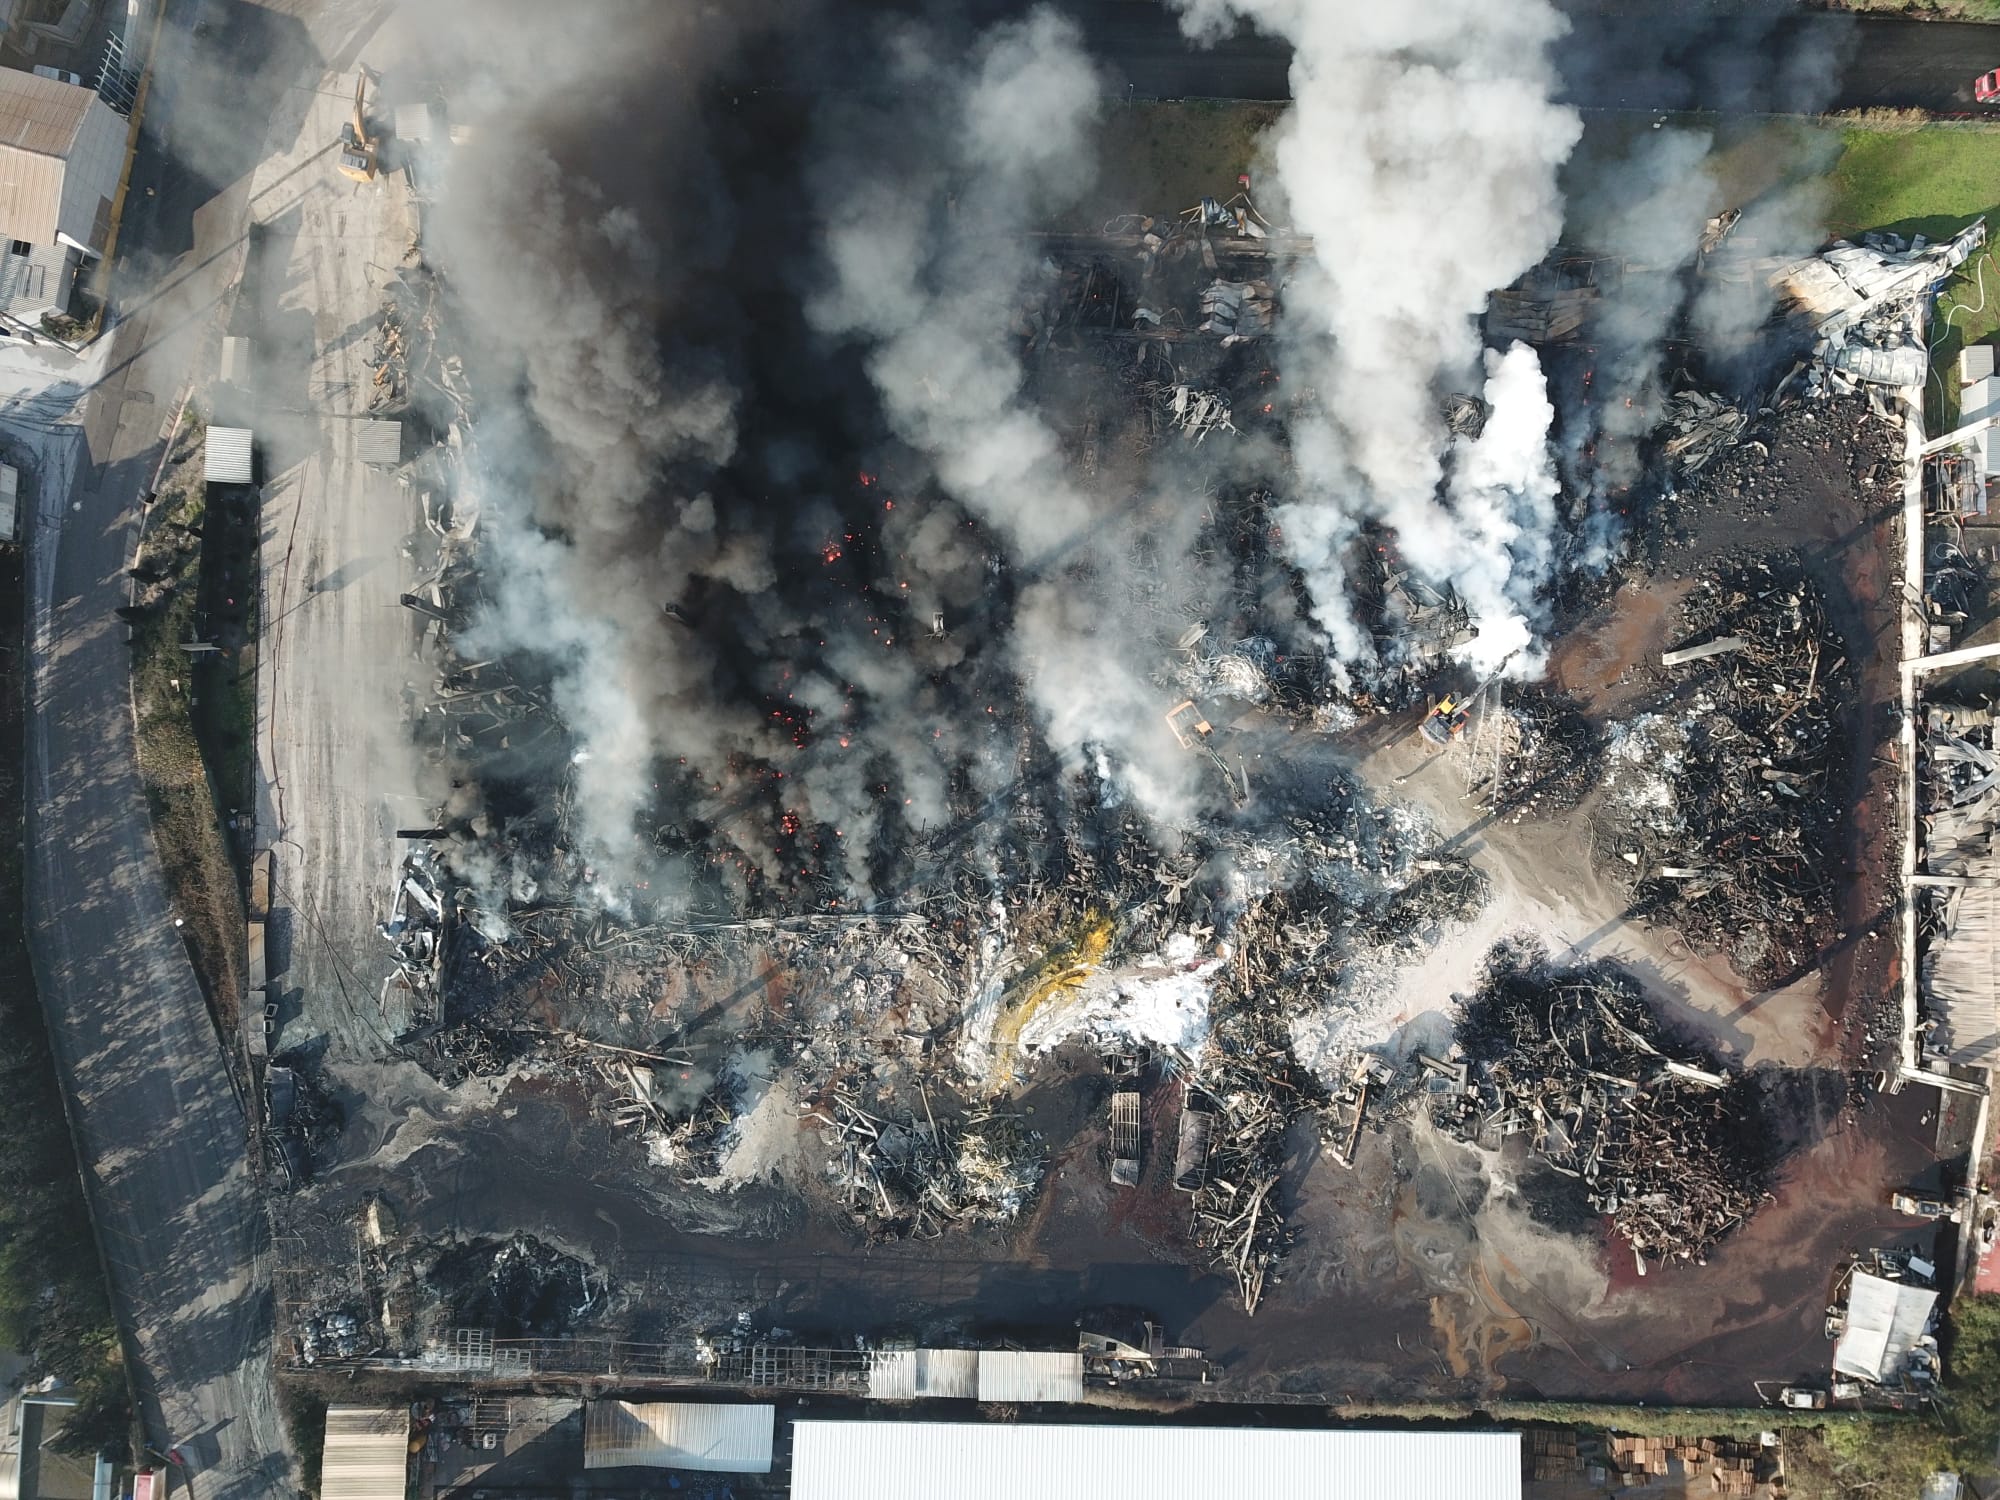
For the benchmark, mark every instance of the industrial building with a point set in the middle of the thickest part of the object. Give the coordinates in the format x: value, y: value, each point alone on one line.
x: 367, y: 1453
x: 703, y: 1437
x: 62, y: 149
x: 1032, y: 1461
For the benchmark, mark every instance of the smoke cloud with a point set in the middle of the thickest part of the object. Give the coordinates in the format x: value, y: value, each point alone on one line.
x: 1421, y: 155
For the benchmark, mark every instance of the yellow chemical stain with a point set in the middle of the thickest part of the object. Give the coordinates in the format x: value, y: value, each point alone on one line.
x: 1061, y: 974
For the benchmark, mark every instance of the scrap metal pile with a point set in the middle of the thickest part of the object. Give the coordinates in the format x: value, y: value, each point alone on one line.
x: 1725, y: 807
x: 1703, y: 427
x: 1290, y: 948
x: 912, y: 1177
x: 1668, y: 1148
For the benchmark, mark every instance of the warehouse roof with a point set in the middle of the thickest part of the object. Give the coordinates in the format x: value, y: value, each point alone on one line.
x: 910, y: 1374
x: 39, y: 122
x: 1012, y: 1461
x: 711, y: 1437
x: 1029, y: 1375
x: 367, y: 1453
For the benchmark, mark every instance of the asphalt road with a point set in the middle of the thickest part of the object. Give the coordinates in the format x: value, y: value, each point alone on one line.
x: 1642, y: 57
x: 160, y: 1128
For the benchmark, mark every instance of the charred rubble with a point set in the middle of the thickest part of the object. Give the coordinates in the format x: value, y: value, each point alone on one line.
x: 888, y: 966
x: 1671, y: 1150
x: 1724, y: 806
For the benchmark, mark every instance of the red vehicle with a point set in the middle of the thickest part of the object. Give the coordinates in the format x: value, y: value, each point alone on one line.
x: 1986, y: 87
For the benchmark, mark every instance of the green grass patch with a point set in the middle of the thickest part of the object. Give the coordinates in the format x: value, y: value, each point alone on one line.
x: 177, y: 696
x: 1936, y: 10
x: 304, y: 1412
x: 1161, y: 157
x: 1930, y: 181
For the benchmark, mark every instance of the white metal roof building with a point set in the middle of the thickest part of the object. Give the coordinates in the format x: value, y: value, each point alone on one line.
x: 1028, y: 1375
x: 1013, y: 1461
x: 710, y: 1437
x: 923, y: 1374
x: 1979, y: 401
x: 1884, y: 1321
x: 367, y: 1453
x: 227, y: 456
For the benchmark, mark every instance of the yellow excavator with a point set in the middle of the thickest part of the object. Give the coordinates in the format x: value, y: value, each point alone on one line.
x: 357, y: 146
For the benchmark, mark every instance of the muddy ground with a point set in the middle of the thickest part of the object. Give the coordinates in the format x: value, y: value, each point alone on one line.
x: 1419, y: 1272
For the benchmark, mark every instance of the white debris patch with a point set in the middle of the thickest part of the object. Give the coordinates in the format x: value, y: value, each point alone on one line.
x: 997, y: 961
x: 764, y: 1136
x: 1162, y: 1001
x: 1644, y: 763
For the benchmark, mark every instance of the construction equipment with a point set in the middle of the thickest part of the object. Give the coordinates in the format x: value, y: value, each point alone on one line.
x: 357, y: 146
x: 1192, y: 731
x: 1923, y: 1207
x: 1449, y: 715
x: 1446, y: 721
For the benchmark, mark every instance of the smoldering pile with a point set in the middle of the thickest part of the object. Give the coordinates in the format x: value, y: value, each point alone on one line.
x: 520, y: 1287
x: 1724, y: 808
x: 1670, y: 1149
x: 1547, y: 754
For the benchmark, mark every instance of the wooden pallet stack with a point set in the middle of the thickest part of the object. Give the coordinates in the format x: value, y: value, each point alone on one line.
x: 1552, y: 1453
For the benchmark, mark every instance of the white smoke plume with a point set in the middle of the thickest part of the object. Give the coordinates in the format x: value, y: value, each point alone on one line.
x: 1421, y: 153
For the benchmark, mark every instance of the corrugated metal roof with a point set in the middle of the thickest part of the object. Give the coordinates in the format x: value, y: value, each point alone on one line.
x: 1012, y: 1461
x: 41, y: 115
x: 1026, y: 1375
x: 711, y: 1437
x: 229, y: 460
x: 923, y: 1374
x: 10, y: 502
x: 380, y: 443
x: 1884, y: 1320
x: 1975, y: 362
x: 39, y: 121
x: 1961, y: 976
x: 235, y: 358
x: 367, y: 1453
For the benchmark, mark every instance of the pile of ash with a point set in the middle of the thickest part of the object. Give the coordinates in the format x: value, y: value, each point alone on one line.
x: 519, y: 1288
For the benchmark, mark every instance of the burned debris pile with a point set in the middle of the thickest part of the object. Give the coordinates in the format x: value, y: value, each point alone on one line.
x: 1290, y: 949
x: 1539, y: 756
x: 1725, y: 806
x: 1703, y: 428
x: 304, y: 1120
x: 915, y: 1176
x: 1667, y: 1147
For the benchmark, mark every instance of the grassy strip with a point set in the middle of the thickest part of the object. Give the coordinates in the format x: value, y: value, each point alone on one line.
x: 1929, y: 10
x: 1162, y: 157
x: 54, y: 1306
x: 166, y: 691
x: 304, y: 1412
x: 1930, y: 181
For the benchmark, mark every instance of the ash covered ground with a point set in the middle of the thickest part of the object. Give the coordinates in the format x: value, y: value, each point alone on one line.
x: 903, y: 682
